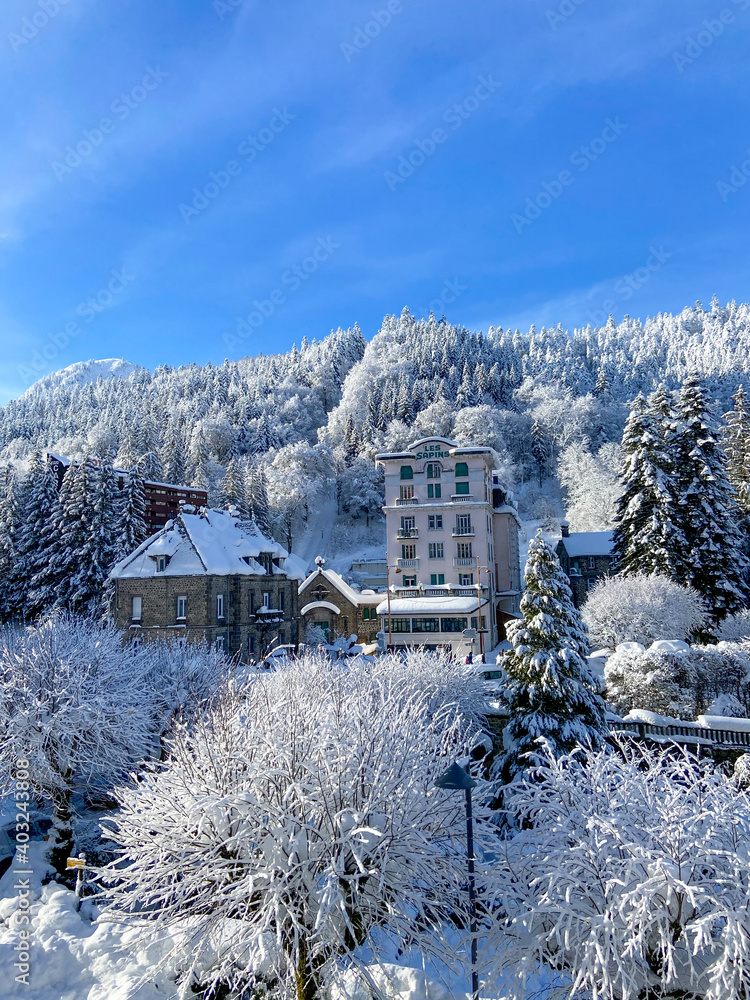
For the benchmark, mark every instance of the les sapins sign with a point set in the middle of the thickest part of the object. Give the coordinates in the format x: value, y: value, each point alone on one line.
x: 432, y: 451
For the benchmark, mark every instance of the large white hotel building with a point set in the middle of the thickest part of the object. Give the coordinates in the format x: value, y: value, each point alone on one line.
x: 452, y: 548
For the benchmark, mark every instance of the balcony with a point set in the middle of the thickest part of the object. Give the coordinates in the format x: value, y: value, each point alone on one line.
x: 407, y: 533
x: 406, y: 501
x: 407, y: 563
x: 463, y: 532
x: 460, y: 561
x: 462, y: 498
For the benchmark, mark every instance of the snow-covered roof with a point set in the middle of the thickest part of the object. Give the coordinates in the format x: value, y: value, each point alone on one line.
x: 210, y: 543
x: 430, y: 605
x: 588, y: 543
x: 339, y: 583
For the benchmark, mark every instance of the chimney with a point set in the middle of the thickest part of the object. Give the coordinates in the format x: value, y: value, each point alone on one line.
x: 565, y: 528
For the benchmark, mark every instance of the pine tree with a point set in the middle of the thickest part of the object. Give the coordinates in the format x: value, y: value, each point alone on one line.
x: 173, y: 455
x: 94, y: 556
x: 131, y: 527
x: 9, y: 524
x: 232, y: 491
x: 257, y: 498
x: 647, y: 535
x: 61, y: 542
x: 199, y: 458
x: 39, y: 505
x: 712, y: 560
x: 736, y: 442
x: 551, y: 693
x: 539, y: 448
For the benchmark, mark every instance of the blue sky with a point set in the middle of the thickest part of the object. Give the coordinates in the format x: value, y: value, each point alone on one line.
x: 558, y: 160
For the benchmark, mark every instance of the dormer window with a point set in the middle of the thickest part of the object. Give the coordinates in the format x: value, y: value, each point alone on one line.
x: 161, y: 563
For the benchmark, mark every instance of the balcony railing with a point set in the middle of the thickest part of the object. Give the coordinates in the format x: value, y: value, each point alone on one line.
x: 405, y: 501
x: 463, y: 561
x: 460, y: 532
x: 408, y: 563
x: 462, y: 498
x: 407, y: 533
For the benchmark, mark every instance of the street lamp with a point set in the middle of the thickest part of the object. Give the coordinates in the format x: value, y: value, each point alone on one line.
x: 457, y: 778
x: 388, y: 598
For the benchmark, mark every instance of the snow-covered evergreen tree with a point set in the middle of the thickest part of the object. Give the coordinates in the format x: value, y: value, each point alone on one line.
x: 647, y: 535
x: 131, y: 527
x: 712, y: 558
x: 232, y: 490
x: 257, y: 497
x: 173, y: 454
x: 735, y: 440
x: 551, y: 692
x: 93, y: 559
x: 9, y: 529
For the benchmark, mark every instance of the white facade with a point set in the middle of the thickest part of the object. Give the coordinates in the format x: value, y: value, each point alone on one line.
x: 452, y: 545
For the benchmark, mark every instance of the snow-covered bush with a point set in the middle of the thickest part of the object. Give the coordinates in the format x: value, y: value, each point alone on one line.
x: 736, y: 628
x: 631, y: 873
x: 726, y: 706
x: 642, y: 608
x: 666, y: 683
x: 299, y: 821
x: 77, y: 706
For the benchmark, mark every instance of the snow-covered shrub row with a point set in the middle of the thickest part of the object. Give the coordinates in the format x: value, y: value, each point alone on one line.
x: 631, y: 873
x: 298, y: 826
x: 641, y: 608
x: 82, y: 709
x: 736, y: 628
x: 681, y: 685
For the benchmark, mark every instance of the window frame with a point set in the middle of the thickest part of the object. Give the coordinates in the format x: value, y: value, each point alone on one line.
x: 460, y: 467
x: 139, y: 617
x: 220, y: 609
x: 407, y: 472
x: 182, y: 604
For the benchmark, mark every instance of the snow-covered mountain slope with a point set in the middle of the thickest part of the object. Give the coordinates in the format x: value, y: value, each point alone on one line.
x: 83, y: 372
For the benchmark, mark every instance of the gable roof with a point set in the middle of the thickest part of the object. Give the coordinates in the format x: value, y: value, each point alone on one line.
x: 588, y: 543
x: 338, y: 583
x: 207, y: 543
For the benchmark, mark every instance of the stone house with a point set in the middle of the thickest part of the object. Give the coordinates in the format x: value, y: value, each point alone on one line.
x: 586, y: 556
x: 208, y: 576
x: 326, y: 600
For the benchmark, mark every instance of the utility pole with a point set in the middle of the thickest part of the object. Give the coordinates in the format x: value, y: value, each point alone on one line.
x: 479, y: 614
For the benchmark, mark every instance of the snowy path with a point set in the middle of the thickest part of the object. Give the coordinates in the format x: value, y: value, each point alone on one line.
x: 315, y: 541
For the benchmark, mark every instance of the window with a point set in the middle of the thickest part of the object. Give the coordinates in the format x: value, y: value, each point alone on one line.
x: 136, y: 610
x: 252, y: 604
x: 366, y: 614
x: 591, y: 582
x: 452, y: 624
x: 407, y: 472
x: 408, y: 551
x: 410, y: 581
x: 462, y: 489
x: 437, y: 579
x: 436, y: 550
x: 462, y: 470
x: 466, y: 579
x: 435, y: 521
x: 407, y: 523
x: 397, y: 625
x: 434, y: 491
x: 463, y: 550
x: 250, y: 645
x: 267, y: 600
x: 463, y: 525
x: 161, y: 563
x: 281, y: 600
x: 474, y: 622
x: 591, y: 562
x: 433, y: 470
x: 406, y: 493
x: 219, y: 642
x: 345, y: 625
x: 425, y: 624
x: 181, y: 608
x: 220, y: 606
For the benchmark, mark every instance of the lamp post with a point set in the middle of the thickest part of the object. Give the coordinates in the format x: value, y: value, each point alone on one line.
x: 479, y: 610
x: 388, y: 598
x: 457, y: 778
